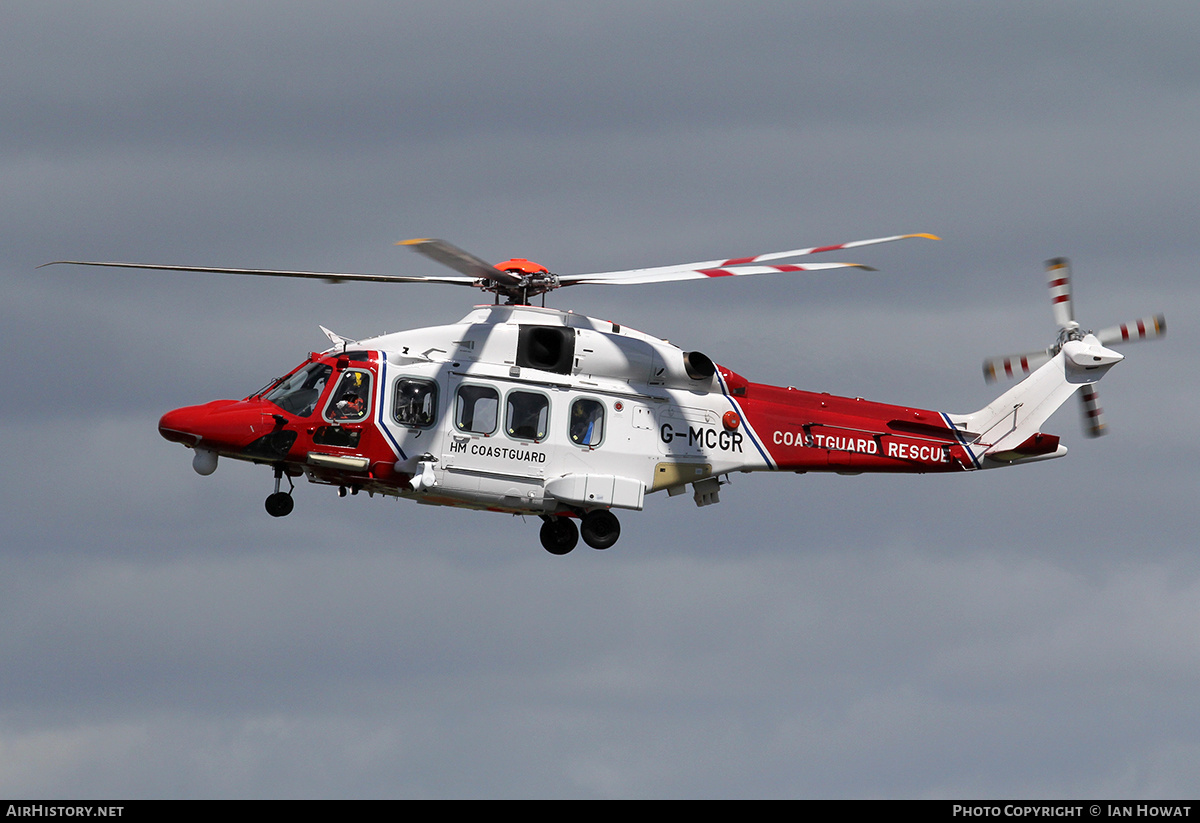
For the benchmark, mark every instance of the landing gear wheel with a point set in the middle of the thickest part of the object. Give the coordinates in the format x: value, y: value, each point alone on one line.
x: 280, y: 504
x: 600, y: 528
x: 559, y: 535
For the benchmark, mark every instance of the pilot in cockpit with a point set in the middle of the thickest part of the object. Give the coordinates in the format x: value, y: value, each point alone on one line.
x: 350, y: 404
x: 349, y: 407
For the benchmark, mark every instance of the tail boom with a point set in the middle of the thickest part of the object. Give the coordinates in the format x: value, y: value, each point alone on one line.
x: 803, y: 431
x: 793, y: 430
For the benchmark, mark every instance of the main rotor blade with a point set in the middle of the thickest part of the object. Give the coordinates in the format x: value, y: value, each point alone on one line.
x: 636, y: 277
x: 1144, y: 328
x: 1093, y: 415
x: 327, y: 276
x: 1010, y: 365
x: 1058, y: 277
x: 461, y: 261
x: 652, y: 275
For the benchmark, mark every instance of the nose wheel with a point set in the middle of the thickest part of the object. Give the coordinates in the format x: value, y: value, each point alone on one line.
x: 280, y: 504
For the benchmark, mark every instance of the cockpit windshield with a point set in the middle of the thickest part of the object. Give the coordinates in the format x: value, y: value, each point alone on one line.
x: 299, y: 392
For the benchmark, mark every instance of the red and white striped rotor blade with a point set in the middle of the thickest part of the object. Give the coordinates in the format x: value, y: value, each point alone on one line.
x: 1093, y: 415
x: 1058, y: 277
x: 632, y: 278
x: 660, y: 274
x: 1013, y: 365
x: 1144, y: 328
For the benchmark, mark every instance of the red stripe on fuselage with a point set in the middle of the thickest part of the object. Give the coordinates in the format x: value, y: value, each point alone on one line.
x: 806, y: 431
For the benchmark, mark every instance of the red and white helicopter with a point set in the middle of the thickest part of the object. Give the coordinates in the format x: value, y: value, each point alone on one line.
x: 531, y: 410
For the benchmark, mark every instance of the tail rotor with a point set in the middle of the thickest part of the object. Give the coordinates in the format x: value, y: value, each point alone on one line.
x: 1058, y: 278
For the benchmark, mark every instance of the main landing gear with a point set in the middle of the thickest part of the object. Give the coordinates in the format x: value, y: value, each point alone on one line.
x: 559, y: 534
x: 599, y: 529
x: 280, y: 504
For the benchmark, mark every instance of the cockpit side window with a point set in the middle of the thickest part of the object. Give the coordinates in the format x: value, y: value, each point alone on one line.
x: 475, y: 409
x: 416, y: 402
x: 298, y: 393
x: 351, y: 400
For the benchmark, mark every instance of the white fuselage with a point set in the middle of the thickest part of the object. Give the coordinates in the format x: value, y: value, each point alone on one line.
x: 656, y: 427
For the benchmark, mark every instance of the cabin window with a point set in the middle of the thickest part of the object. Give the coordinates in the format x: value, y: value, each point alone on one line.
x: 351, y: 399
x: 415, y: 402
x: 587, y: 422
x: 475, y: 409
x: 299, y: 392
x: 527, y: 415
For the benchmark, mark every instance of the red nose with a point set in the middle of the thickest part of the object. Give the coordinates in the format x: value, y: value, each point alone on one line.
x: 222, y: 425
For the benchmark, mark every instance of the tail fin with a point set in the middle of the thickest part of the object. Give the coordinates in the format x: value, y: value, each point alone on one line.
x: 1005, y: 426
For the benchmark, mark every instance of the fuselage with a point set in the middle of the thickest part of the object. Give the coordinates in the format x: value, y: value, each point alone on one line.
x: 525, y: 409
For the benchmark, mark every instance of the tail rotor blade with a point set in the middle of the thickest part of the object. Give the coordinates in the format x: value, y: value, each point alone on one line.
x: 1144, y: 328
x: 1013, y: 365
x: 1093, y: 415
x: 1058, y: 277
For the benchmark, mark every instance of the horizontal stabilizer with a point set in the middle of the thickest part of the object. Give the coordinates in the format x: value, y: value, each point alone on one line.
x: 1038, y: 445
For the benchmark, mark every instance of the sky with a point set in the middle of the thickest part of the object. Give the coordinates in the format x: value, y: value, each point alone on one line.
x: 1022, y: 633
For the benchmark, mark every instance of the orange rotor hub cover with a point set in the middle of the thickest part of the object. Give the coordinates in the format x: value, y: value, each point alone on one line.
x: 522, y: 265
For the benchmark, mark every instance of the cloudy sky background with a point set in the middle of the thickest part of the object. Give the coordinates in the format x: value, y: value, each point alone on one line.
x: 1030, y: 632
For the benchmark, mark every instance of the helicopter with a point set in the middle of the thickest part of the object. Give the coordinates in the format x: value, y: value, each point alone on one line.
x: 529, y: 410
